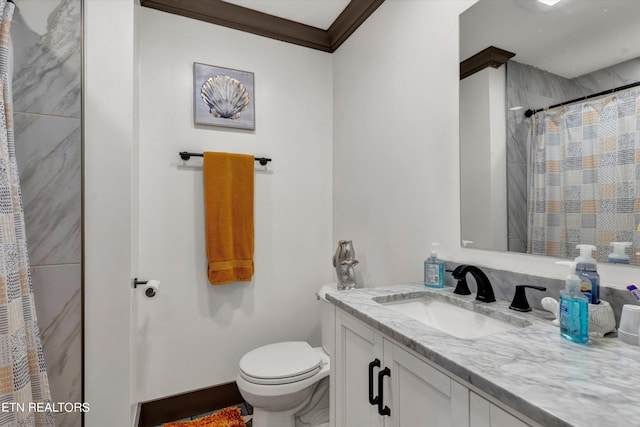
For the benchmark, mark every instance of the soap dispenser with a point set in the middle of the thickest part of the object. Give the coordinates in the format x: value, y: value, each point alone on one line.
x: 619, y: 256
x: 574, y: 308
x: 586, y: 270
x: 434, y: 269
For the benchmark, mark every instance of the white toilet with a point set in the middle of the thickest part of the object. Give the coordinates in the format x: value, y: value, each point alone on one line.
x: 282, y: 379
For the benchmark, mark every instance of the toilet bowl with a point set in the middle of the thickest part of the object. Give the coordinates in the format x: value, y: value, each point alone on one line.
x: 281, y: 379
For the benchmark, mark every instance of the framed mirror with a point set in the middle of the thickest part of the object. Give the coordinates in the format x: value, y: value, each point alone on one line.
x: 568, y: 171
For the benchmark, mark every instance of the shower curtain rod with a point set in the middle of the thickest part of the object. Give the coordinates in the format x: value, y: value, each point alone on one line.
x: 531, y: 112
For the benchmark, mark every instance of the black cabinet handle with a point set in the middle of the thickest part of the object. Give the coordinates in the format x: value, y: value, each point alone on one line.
x: 382, y: 410
x: 374, y: 364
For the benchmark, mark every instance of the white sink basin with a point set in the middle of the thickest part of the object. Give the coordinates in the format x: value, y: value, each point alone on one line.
x: 450, y: 318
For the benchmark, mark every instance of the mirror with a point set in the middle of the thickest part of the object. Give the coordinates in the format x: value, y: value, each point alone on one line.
x: 563, y: 52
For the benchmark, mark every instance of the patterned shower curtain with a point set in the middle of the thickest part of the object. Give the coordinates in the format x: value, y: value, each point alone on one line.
x: 583, y: 181
x: 24, y: 389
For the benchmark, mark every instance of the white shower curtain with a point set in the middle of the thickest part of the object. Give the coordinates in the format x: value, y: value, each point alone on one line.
x: 25, y: 398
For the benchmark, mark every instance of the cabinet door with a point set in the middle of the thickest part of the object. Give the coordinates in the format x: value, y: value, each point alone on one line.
x: 356, y: 347
x: 485, y: 414
x: 420, y: 395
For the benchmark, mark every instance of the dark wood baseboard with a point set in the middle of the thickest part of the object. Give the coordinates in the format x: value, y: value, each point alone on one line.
x: 186, y: 405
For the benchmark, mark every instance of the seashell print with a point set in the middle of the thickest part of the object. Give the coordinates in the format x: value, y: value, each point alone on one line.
x: 225, y: 96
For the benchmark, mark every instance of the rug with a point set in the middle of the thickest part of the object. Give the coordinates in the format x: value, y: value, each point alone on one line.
x: 228, y: 417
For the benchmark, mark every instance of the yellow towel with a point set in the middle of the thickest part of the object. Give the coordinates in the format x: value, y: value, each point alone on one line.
x: 228, y: 199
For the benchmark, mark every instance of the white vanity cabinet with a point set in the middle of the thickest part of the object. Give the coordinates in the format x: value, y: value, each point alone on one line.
x: 485, y: 414
x: 379, y: 383
x: 421, y: 395
x: 410, y: 392
x: 357, y: 347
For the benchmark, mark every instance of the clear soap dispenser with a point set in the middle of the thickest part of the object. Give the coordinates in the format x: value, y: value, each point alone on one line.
x: 574, y: 308
x: 619, y: 256
x: 586, y: 269
x: 434, y: 269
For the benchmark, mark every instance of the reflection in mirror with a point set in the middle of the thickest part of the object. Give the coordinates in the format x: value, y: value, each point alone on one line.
x: 564, y: 175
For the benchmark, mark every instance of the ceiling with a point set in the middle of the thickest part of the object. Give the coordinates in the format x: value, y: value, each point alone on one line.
x: 571, y: 38
x: 318, y: 24
x: 316, y: 13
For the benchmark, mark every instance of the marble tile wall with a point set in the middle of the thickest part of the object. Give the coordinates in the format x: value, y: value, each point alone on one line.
x: 611, y: 77
x: 46, y: 92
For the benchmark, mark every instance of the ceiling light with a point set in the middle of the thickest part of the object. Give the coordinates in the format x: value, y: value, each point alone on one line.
x: 519, y: 107
x: 549, y: 2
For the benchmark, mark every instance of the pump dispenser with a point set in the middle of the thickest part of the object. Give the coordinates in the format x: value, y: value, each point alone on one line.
x: 588, y: 274
x: 434, y: 269
x: 574, y: 308
x: 619, y: 256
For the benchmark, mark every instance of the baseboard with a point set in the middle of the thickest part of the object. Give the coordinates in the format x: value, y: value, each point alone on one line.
x: 186, y: 405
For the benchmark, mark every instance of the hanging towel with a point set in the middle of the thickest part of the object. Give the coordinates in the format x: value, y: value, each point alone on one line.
x: 228, y: 199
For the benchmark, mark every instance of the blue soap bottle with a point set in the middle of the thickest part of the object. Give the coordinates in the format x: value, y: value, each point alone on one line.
x: 434, y: 269
x: 574, y: 309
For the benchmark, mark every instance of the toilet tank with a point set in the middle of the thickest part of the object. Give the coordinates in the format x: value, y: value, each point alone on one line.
x: 327, y: 318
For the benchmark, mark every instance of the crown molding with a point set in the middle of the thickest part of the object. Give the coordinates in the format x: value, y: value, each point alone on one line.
x: 241, y: 18
x: 489, y: 57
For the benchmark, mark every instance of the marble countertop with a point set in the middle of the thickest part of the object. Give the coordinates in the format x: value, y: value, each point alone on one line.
x: 531, y: 369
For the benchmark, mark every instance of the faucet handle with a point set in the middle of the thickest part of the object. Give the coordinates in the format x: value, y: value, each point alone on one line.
x: 520, y: 302
x: 462, y: 288
x: 457, y: 272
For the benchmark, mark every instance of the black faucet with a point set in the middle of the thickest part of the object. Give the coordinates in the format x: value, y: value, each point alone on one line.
x: 485, y: 291
x: 520, y: 302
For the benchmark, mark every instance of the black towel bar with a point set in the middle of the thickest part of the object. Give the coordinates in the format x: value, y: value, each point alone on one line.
x: 186, y: 156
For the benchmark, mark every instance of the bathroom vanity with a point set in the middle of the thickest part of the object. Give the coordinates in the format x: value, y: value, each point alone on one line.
x: 391, y: 369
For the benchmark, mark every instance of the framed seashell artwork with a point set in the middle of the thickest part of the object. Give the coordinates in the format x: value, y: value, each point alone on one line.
x: 223, y: 97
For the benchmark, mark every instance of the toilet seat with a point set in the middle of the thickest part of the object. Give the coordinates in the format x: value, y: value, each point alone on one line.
x: 280, y: 363
x: 278, y: 381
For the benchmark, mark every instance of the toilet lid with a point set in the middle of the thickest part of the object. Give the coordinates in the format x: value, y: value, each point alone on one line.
x: 280, y: 363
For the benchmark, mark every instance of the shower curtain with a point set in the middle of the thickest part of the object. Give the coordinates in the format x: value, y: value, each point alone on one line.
x: 24, y: 389
x: 584, y: 184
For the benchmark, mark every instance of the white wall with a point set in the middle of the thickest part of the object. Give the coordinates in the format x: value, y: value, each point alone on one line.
x: 193, y: 334
x: 483, y: 159
x: 475, y: 165
x: 396, y: 156
x: 109, y: 71
x: 396, y: 182
x: 498, y: 149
